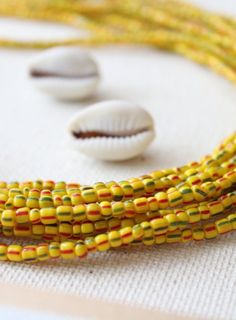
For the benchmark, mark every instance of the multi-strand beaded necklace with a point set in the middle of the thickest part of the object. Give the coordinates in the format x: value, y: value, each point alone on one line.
x: 193, y: 202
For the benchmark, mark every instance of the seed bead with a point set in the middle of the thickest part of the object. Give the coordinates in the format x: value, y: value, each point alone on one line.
x: 210, y: 231
x: 126, y: 235
x: 14, y: 253
x: 3, y: 252
x: 93, y: 212
x: 81, y: 250
x: 22, y: 215
x: 114, y: 239
x: 102, y: 242
x: 79, y: 212
x: 29, y: 253
x: 67, y: 250
x: 54, y: 250
x: 64, y: 213
x: 42, y: 252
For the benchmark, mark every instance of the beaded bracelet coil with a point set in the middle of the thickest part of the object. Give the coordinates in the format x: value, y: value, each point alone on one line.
x: 194, y: 202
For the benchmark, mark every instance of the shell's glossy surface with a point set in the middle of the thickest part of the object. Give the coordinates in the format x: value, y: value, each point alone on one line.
x: 65, y: 73
x: 112, y: 130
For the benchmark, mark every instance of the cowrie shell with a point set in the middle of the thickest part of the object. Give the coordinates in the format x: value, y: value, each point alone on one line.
x: 67, y: 73
x: 112, y: 130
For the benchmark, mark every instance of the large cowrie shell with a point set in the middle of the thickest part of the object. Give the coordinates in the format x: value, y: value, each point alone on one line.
x: 67, y: 73
x: 112, y: 130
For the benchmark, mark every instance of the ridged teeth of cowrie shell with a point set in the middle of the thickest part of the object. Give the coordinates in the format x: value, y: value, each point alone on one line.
x: 67, y: 73
x: 112, y: 130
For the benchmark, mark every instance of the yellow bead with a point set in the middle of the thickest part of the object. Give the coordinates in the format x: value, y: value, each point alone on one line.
x: 215, y: 208
x: 147, y: 228
x: 106, y: 208
x: 32, y: 202
x: 210, y: 231
x: 81, y: 250
x: 29, y: 253
x: 14, y: 253
x: 138, y: 188
x: 127, y: 190
x: 38, y: 229
x: 22, y: 215
x: 225, y: 183
x: 93, y: 212
x: 59, y: 192
x: 102, y: 242
x: 67, y: 250
x: 186, y: 235
x: 162, y: 200
x: 3, y: 252
x: 233, y: 198
x: 60, y: 185
x: 209, y: 188
x: 231, y: 176
x: 193, y: 180
x: 129, y: 209
x: 118, y: 209
x: 159, y: 225
x: 49, y: 185
x: 232, y: 220
x: 76, y: 230
x: 173, y: 222
x: 153, y: 204
x: 76, y: 199
x: 19, y: 201
x: 141, y: 205
x: 34, y: 193
x: 101, y: 226
x: 65, y: 230
x: 79, y: 212
x: 45, y: 201
x: 22, y: 230
x: 42, y: 252
x: 198, y: 234
x: 34, y: 216
x: 137, y: 231
x: 54, y: 250
x: 8, y: 218
x: 64, y: 213
x: 66, y: 200
x: 187, y: 194
x: 223, y: 226
x: 160, y: 238
x: 226, y: 201
x: 87, y: 228
x: 174, y: 197
x: 204, y: 212
x: 90, y: 244
x: 114, y: 224
x: 149, y: 186
x: 183, y: 218
x: 48, y: 215
x: 173, y: 236
x: 194, y: 215
x: 114, y: 239
x: 126, y: 235
x: 104, y: 194
x: 199, y: 193
x: 3, y: 184
x: 14, y: 192
x: 148, y: 240
x: 89, y: 195
x: 99, y: 185
x: 117, y: 192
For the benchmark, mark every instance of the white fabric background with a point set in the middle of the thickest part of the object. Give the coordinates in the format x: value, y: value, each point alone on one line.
x: 193, y: 109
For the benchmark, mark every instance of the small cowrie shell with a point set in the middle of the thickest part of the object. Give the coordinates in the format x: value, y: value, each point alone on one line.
x: 112, y: 130
x: 67, y: 73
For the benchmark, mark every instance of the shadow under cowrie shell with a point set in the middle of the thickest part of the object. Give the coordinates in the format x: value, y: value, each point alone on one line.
x: 112, y: 130
x: 67, y: 73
